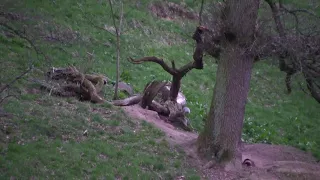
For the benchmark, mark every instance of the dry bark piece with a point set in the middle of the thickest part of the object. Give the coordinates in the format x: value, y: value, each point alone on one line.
x: 150, y: 91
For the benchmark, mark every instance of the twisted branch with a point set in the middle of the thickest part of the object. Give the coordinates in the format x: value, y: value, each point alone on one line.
x: 159, y: 61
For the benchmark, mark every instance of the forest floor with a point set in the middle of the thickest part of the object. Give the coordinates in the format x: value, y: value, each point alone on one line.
x: 266, y: 161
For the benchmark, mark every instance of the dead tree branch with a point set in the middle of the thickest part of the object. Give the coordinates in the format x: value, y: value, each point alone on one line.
x: 296, y: 50
x: 178, y: 74
x: 155, y: 60
x: 200, y: 13
x: 302, y: 11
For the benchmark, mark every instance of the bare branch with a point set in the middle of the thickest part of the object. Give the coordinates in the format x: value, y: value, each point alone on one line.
x: 304, y: 11
x: 178, y: 74
x: 155, y: 60
x: 281, y: 3
x: 121, y: 18
x: 200, y: 13
x: 113, y: 19
x: 118, y: 33
x: 295, y: 17
x: 186, y: 68
x: 313, y: 90
x: 276, y: 17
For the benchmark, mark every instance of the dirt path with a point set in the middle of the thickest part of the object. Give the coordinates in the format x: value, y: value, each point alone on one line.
x: 173, y: 135
x: 269, y: 162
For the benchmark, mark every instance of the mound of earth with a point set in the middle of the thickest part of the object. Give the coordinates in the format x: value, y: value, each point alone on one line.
x: 260, y: 161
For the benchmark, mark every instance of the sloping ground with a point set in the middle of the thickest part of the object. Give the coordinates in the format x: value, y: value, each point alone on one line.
x: 267, y: 161
x: 173, y: 135
x: 45, y: 137
x: 67, y: 33
x: 48, y: 138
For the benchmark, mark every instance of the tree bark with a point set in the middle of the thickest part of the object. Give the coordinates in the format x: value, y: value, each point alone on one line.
x: 175, y: 87
x: 223, y: 128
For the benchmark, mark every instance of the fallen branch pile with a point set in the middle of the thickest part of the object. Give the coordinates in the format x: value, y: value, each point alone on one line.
x: 69, y: 82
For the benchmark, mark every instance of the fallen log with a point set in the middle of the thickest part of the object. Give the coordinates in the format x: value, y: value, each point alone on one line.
x: 156, y: 97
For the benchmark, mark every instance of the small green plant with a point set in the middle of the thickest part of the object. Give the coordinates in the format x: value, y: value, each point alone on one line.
x: 126, y: 76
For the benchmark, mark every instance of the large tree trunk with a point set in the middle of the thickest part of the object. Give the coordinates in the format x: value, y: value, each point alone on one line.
x: 223, y: 128
x: 224, y: 124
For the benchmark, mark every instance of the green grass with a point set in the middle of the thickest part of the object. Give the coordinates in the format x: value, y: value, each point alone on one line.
x: 46, y: 133
x: 272, y: 116
x: 47, y: 141
x: 304, y: 5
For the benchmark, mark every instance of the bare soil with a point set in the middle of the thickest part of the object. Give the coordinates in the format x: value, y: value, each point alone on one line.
x: 269, y: 162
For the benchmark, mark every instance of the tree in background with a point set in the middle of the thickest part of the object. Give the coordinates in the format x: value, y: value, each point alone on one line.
x: 297, y: 47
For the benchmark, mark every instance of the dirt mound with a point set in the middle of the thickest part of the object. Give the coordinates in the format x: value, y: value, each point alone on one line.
x: 274, y: 162
x: 170, y: 10
x: 173, y: 135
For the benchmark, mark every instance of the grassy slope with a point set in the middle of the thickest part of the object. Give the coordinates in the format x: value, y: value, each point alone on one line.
x: 46, y: 133
x: 47, y: 141
x: 51, y: 128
